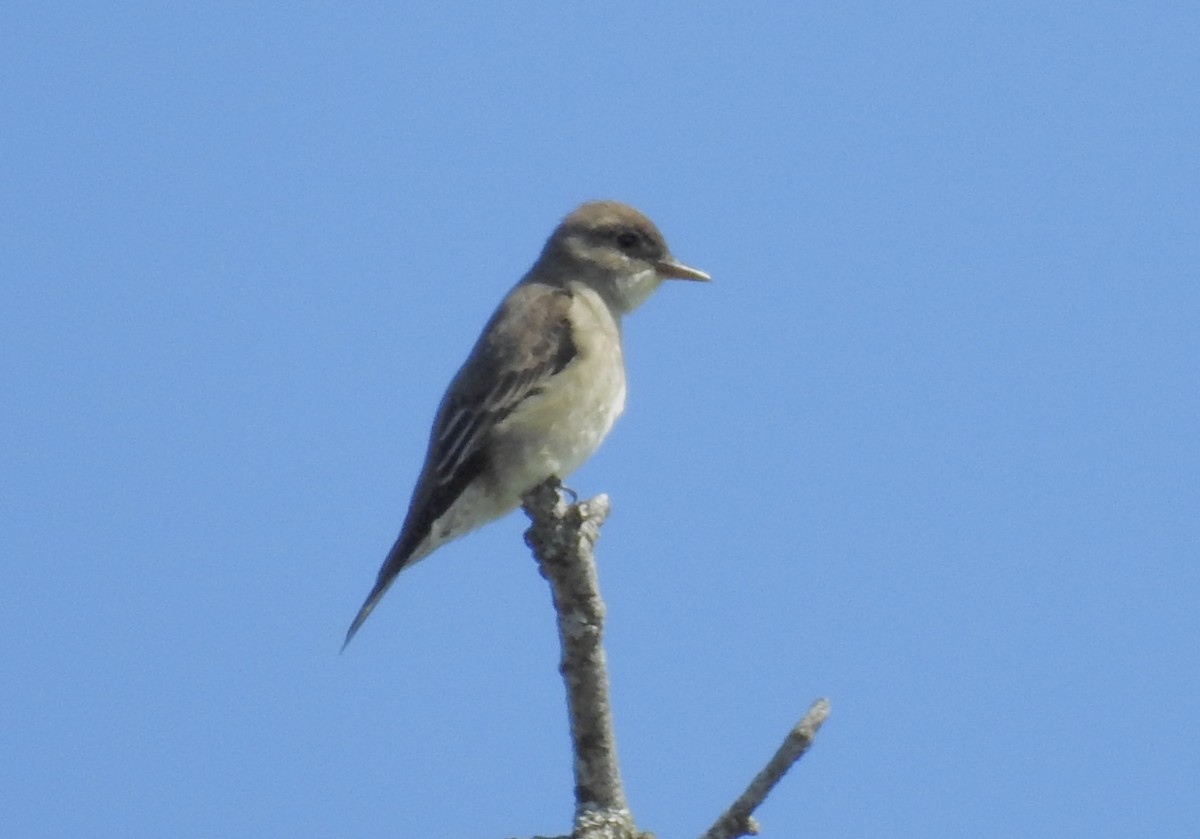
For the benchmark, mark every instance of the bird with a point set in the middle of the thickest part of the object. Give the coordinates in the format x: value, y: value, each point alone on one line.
x: 542, y: 386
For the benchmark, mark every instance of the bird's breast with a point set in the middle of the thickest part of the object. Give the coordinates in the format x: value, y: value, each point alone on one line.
x: 557, y: 429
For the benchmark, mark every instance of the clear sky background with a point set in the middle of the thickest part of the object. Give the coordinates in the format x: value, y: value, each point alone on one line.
x: 927, y: 445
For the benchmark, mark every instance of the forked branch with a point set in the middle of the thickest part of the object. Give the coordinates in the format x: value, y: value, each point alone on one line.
x: 562, y: 537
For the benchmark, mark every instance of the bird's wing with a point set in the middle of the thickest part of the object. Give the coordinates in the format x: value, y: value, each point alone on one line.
x: 527, y: 341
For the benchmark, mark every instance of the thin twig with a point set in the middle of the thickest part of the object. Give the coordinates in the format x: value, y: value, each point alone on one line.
x: 738, y: 819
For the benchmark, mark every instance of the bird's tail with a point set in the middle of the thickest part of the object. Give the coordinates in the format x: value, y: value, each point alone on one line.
x: 381, y: 586
x: 406, y: 551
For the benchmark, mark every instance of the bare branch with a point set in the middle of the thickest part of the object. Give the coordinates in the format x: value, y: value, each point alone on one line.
x: 738, y: 819
x: 562, y: 537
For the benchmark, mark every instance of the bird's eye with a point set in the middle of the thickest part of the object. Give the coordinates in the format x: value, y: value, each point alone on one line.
x: 628, y: 239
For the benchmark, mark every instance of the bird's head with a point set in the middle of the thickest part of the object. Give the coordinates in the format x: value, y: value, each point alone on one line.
x: 616, y: 250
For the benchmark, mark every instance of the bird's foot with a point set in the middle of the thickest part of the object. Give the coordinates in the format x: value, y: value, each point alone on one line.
x: 562, y: 489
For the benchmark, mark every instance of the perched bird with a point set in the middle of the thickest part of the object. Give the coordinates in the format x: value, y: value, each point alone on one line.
x: 542, y: 386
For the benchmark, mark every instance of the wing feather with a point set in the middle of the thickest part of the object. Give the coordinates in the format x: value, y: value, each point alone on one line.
x: 527, y: 341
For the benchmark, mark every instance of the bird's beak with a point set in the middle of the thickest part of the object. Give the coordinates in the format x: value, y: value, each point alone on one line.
x: 669, y: 268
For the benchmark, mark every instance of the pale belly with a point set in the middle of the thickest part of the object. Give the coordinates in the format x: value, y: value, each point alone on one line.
x: 560, y: 428
x: 554, y: 432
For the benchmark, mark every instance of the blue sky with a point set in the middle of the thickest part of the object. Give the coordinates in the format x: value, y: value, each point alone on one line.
x: 927, y: 445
